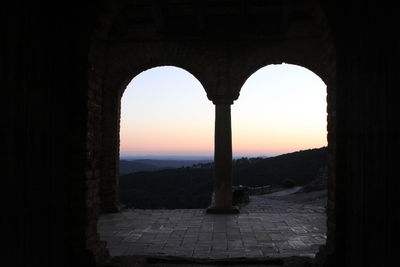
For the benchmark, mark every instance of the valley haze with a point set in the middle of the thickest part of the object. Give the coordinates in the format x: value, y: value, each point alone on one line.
x: 132, y: 164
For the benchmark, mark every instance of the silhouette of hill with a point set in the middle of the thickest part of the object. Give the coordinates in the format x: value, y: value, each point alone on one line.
x: 137, y: 165
x: 126, y: 167
x: 301, y: 167
x: 191, y: 187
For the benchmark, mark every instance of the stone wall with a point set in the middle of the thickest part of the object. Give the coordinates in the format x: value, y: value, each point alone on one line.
x: 367, y: 135
x: 46, y: 173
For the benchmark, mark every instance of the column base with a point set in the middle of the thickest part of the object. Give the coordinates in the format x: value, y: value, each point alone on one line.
x: 223, y: 210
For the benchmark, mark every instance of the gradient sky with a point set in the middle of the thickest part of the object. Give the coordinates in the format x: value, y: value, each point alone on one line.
x: 165, y: 111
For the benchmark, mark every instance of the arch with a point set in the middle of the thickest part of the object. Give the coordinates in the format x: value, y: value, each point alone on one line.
x: 127, y: 62
x: 285, y: 88
x: 316, y: 56
x: 126, y: 82
x: 113, y: 90
x: 254, y: 69
x: 183, y: 94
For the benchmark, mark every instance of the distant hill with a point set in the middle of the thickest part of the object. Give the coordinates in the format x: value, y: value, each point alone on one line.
x: 301, y: 166
x: 191, y: 187
x: 137, y: 165
x: 126, y: 167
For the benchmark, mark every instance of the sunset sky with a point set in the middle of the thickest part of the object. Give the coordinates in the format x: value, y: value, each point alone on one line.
x: 165, y: 111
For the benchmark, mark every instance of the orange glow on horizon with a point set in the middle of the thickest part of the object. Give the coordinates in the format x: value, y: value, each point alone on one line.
x: 165, y: 141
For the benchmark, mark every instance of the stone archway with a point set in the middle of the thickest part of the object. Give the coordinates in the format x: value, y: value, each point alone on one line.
x: 325, y: 69
x: 222, y: 82
x: 222, y: 67
x: 329, y: 79
x: 110, y: 144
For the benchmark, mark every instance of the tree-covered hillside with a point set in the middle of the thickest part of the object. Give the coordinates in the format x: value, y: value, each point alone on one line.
x: 173, y: 188
x: 191, y: 187
x: 300, y: 167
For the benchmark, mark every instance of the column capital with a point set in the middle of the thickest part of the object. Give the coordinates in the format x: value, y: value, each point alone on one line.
x: 222, y: 99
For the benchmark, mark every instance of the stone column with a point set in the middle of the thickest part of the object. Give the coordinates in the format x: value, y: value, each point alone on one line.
x: 109, y: 165
x: 222, y: 197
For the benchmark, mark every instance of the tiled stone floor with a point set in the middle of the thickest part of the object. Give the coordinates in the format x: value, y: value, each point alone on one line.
x: 269, y: 226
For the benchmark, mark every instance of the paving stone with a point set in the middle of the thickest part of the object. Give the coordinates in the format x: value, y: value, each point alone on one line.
x: 267, y: 227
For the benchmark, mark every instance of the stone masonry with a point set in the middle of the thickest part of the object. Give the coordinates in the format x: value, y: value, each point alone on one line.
x: 266, y: 227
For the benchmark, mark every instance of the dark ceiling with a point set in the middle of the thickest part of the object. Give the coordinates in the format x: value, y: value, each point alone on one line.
x: 141, y: 20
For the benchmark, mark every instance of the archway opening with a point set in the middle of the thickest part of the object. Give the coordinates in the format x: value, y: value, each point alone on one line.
x: 166, y: 127
x: 279, y: 128
x: 281, y: 109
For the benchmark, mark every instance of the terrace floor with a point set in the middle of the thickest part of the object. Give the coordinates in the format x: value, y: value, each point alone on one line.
x: 274, y: 225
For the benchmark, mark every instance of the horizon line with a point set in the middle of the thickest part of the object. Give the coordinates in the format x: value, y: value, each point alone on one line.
x: 172, y: 155
x: 188, y: 156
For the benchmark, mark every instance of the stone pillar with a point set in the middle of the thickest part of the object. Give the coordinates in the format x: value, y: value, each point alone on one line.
x: 222, y: 196
x: 109, y: 169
